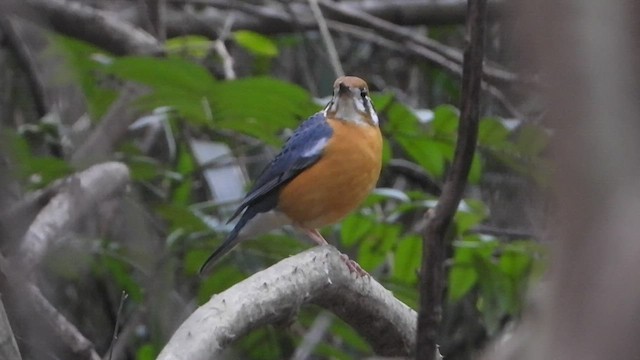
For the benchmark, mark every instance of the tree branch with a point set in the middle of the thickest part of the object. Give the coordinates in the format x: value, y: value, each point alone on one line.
x: 28, y: 64
x: 8, y: 346
x: 111, y: 128
x: 317, y: 276
x: 406, y: 13
x: 95, y: 26
x: 434, y: 245
x: 84, y: 190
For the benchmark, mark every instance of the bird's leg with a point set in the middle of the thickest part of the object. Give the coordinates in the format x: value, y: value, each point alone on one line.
x: 315, y: 236
x: 353, y: 266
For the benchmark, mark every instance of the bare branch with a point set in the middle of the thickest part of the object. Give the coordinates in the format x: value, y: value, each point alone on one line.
x: 318, y: 276
x: 113, y: 126
x: 407, y: 13
x: 434, y: 244
x: 21, y: 288
x: 8, y: 346
x: 85, y: 189
x: 27, y: 62
x: 95, y: 26
x: 65, y: 330
x: 330, y: 46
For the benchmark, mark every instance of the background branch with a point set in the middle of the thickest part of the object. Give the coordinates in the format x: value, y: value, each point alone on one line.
x: 95, y: 26
x: 432, y: 274
x: 112, y: 127
x: 8, y: 346
x: 83, y: 191
x: 315, y: 276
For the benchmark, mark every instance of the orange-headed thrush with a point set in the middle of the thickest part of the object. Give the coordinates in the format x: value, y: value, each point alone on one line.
x: 325, y: 170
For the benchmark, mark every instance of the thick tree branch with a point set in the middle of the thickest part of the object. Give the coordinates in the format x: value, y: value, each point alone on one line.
x: 8, y: 346
x: 31, y: 297
x: 97, y: 27
x: 318, y: 276
x: 434, y: 245
x: 83, y: 191
x: 63, y: 328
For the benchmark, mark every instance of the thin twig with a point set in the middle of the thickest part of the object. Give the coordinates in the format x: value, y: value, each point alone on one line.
x: 300, y: 53
x: 123, y: 298
x: 432, y: 272
x: 334, y: 59
x: 221, y: 49
x: 439, y: 53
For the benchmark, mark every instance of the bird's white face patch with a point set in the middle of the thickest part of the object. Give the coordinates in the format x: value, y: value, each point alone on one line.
x: 349, y: 109
x: 371, y: 110
x: 355, y: 107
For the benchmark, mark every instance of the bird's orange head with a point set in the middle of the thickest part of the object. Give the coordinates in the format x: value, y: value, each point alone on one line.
x: 351, y: 102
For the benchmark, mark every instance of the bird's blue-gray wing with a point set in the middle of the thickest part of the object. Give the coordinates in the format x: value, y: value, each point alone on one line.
x: 303, y: 149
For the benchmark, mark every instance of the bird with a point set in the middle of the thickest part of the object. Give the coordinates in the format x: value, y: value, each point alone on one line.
x: 325, y: 170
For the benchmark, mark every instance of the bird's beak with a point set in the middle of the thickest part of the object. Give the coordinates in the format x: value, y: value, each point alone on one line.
x: 343, y: 90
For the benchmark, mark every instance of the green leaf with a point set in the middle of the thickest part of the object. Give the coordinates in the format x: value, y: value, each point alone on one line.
x: 194, y: 46
x: 495, y: 290
x: 194, y: 108
x: 255, y: 43
x: 161, y: 73
x: 38, y: 170
x: 475, y: 172
x: 180, y: 217
x: 260, y: 344
x: 146, y: 352
x: 407, y: 259
x: 122, y: 275
x: 350, y: 336
x: 185, y: 166
x: 531, y: 140
x: 445, y: 121
x: 401, y: 121
x: 374, y: 249
x: 81, y: 58
x: 260, y: 107
x: 429, y: 154
x: 144, y: 168
x: 463, y: 275
x: 491, y: 132
x: 354, y: 227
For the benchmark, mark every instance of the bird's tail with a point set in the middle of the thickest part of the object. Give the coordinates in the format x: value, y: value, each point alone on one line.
x: 229, y: 243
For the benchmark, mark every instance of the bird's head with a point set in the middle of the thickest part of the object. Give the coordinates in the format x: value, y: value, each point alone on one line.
x: 351, y: 102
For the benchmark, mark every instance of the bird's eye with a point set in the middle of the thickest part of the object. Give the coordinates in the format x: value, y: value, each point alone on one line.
x: 364, y: 93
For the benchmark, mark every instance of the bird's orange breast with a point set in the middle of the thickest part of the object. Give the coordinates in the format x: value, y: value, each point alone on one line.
x: 340, y: 181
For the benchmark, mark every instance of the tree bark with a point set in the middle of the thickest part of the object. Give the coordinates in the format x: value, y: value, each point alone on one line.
x: 316, y: 276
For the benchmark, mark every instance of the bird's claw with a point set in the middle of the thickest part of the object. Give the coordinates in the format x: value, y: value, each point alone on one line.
x: 354, y: 267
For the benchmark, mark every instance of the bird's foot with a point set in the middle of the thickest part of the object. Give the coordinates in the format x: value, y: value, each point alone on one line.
x: 354, y: 267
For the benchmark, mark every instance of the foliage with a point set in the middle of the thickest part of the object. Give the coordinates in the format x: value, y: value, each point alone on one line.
x: 383, y: 236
